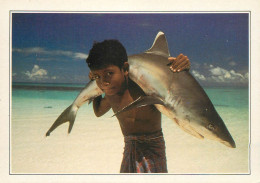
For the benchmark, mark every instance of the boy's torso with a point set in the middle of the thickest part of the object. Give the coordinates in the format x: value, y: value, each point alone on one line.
x: 141, y: 120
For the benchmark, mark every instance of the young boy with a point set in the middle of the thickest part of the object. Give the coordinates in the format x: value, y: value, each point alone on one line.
x: 144, y: 150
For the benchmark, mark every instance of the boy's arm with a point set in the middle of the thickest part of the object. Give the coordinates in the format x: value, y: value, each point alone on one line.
x: 101, y: 106
x: 180, y: 63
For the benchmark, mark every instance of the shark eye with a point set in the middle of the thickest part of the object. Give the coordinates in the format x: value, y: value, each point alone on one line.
x: 211, y: 127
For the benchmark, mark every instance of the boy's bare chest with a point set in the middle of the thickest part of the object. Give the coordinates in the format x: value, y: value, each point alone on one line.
x: 119, y: 102
x: 137, y: 120
x: 133, y: 114
x: 130, y: 95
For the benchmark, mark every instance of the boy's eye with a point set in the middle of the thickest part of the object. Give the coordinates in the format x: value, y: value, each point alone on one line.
x: 96, y: 77
x: 109, y: 73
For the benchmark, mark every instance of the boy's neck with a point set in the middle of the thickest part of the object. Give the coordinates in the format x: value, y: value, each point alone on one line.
x: 124, y: 90
x: 118, y: 98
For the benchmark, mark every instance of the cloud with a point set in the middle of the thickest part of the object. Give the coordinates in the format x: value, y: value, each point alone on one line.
x: 198, y: 75
x: 217, y: 71
x: 217, y: 75
x: 81, y: 55
x: 223, y: 75
x: 42, y: 51
x: 232, y: 63
x: 30, y: 50
x: 145, y: 24
x: 61, y: 52
x: 246, y: 75
x: 38, y: 74
x: 46, y: 59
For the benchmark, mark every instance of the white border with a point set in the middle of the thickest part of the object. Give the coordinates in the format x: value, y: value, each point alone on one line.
x: 205, y: 6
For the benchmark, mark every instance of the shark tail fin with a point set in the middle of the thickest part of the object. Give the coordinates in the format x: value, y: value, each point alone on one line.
x: 160, y: 45
x: 139, y: 102
x: 68, y: 115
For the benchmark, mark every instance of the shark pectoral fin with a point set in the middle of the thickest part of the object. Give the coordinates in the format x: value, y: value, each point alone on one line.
x: 191, y: 131
x: 90, y: 100
x: 68, y: 115
x: 187, y: 128
x: 141, y: 101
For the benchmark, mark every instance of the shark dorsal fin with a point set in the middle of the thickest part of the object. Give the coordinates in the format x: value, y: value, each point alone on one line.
x: 160, y: 45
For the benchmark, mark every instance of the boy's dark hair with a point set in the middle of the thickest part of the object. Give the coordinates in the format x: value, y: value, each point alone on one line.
x: 108, y: 52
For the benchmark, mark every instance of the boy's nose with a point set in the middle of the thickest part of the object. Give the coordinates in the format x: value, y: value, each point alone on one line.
x: 104, y: 82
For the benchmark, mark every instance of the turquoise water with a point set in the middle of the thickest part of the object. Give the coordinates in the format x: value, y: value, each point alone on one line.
x: 222, y: 98
x: 25, y: 94
x: 229, y: 97
x: 232, y: 97
x: 231, y: 103
x: 48, y: 84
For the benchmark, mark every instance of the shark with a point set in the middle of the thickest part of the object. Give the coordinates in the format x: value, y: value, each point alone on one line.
x: 178, y: 95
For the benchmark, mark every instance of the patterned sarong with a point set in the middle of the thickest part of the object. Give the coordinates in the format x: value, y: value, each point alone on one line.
x: 144, y: 154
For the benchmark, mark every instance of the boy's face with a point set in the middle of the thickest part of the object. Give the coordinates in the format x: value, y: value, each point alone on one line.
x: 111, y: 79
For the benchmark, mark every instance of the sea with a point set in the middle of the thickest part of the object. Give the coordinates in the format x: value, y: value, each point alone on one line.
x: 95, y: 145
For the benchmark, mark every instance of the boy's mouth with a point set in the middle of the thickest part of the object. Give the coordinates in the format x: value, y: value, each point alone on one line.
x: 108, y: 89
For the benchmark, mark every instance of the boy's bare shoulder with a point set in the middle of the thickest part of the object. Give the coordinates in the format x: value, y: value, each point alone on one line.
x: 134, y: 89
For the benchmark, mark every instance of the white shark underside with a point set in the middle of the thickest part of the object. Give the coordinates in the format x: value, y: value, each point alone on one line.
x: 177, y: 95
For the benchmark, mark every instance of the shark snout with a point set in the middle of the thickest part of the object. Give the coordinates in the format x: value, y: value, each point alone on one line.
x: 230, y: 143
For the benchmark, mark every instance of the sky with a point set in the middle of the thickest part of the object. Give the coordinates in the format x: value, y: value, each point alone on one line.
x: 52, y: 47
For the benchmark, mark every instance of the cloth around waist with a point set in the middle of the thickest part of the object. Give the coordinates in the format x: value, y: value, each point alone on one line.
x: 144, y: 137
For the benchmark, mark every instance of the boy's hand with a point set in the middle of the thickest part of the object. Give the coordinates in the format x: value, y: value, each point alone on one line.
x: 180, y: 63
